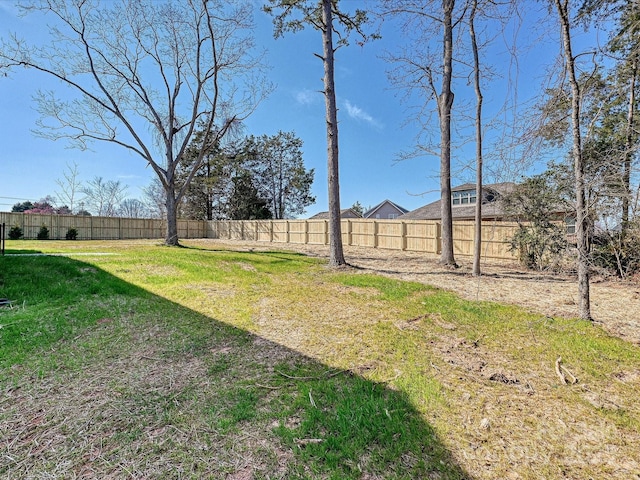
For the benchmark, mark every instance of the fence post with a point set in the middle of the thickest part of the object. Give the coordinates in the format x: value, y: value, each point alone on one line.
x: 375, y: 234
x: 326, y: 232
x: 403, y: 235
x: 2, y: 230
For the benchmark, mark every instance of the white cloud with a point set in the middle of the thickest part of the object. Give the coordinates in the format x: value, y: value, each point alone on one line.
x: 357, y: 113
x: 306, y: 97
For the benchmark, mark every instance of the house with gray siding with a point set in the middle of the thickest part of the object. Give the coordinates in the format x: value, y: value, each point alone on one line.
x: 385, y: 210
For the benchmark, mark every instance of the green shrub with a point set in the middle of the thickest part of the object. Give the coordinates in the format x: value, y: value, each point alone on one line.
x: 538, y: 245
x: 618, y: 252
x: 15, y: 233
x: 72, y: 234
x: 43, y: 234
x: 538, y: 205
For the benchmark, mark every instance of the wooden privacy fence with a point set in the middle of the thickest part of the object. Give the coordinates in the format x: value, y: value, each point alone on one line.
x: 98, y: 228
x: 415, y: 235
x: 411, y: 235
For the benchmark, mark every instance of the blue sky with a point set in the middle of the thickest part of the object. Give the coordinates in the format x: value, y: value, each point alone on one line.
x: 372, y: 120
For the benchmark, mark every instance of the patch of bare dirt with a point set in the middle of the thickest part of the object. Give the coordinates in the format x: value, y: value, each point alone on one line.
x: 614, y: 304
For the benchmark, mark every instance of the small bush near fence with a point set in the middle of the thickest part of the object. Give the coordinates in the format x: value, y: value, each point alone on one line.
x: 43, y: 233
x: 15, y: 233
x: 72, y: 234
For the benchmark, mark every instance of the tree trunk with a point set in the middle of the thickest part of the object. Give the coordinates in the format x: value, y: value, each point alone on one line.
x: 477, y: 244
x: 628, y: 155
x: 171, y: 236
x: 582, y: 212
x: 209, y: 191
x: 336, y: 255
x: 445, y: 103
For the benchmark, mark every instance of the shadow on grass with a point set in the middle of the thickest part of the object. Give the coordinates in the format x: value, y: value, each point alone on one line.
x: 161, y: 390
x: 253, y: 250
x: 17, y: 251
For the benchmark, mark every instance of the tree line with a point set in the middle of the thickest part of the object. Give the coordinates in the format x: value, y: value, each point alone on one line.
x: 261, y: 177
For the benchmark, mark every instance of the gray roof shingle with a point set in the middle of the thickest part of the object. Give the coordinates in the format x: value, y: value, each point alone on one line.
x: 491, y: 209
x: 344, y: 213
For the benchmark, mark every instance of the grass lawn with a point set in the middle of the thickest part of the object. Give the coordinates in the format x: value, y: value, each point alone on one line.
x: 133, y: 360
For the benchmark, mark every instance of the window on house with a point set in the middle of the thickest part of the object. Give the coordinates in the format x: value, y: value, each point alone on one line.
x: 464, y: 197
x: 570, y: 224
x: 489, y: 196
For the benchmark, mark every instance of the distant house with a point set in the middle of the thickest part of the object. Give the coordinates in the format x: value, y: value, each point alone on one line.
x: 345, y: 213
x: 386, y: 209
x: 463, y: 203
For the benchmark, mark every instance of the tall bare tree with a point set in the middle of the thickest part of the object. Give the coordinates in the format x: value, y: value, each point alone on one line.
x: 103, y: 197
x: 132, y: 208
x: 477, y: 244
x: 145, y: 74
x: 582, y: 211
x: 295, y: 15
x: 418, y: 69
x: 70, y: 185
x: 153, y: 198
x: 445, y: 104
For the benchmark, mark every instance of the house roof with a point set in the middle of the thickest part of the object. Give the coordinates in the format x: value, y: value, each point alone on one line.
x: 344, y: 213
x: 372, y: 211
x: 492, y: 209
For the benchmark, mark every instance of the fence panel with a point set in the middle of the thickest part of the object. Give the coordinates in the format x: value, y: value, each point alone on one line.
x: 423, y: 236
x: 191, y: 229
x: 360, y: 232
x: 264, y: 230
x: 318, y: 232
x: 279, y: 231
x: 297, y: 231
x: 496, y: 240
x: 390, y: 234
x: 463, y: 238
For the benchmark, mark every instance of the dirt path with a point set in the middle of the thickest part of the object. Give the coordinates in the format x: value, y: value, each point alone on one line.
x: 614, y: 304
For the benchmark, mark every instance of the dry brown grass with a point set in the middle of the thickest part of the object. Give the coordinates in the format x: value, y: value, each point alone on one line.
x: 505, y: 417
x: 117, y: 417
x: 615, y: 304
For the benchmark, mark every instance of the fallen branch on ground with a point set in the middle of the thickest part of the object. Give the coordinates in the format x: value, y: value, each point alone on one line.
x: 563, y: 372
